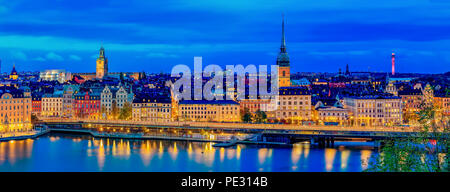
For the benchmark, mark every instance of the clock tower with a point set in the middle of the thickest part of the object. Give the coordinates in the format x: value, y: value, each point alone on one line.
x: 102, y: 64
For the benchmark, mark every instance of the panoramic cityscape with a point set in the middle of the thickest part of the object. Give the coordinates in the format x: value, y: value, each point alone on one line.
x: 97, y: 114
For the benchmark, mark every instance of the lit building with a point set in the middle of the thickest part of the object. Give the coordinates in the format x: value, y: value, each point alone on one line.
x: 258, y: 103
x: 202, y: 110
x: 52, y: 104
x: 102, y: 64
x: 13, y: 75
x: 68, y: 99
x: 374, y: 110
x: 118, y: 95
x: 391, y: 88
x: 330, y: 112
x: 152, y: 109
x: 294, y: 105
x: 15, y: 109
x: 59, y: 75
x: 36, y: 104
x: 284, y: 69
x: 442, y: 103
x: 87, y: 105
x: 411, y: 103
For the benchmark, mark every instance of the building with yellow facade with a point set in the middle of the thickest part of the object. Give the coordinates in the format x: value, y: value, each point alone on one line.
x: 374, y: 110
x: 202, y: 110
x: 330, y: 112
x: 294, y: 105
x: 152, y: 109
x: 15, y: 109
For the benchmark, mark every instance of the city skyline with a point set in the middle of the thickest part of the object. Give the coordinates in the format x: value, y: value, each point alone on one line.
x: 39, y: 36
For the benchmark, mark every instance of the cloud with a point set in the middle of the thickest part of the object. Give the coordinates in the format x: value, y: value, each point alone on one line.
x: 54, y: 57
x: 39, y: 59
x: 162, y: 55
x: 19, y: 55
x: 74, y: 57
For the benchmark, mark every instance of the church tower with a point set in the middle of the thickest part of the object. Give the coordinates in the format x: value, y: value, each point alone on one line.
x: 284, y: 69
x: 102, y: 64
x: 13, y: 74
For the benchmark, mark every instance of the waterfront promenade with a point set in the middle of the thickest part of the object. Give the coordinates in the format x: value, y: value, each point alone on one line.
x: 22, y: 135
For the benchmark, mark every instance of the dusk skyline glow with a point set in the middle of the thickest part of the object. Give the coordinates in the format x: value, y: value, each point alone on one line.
x: 321, y: 36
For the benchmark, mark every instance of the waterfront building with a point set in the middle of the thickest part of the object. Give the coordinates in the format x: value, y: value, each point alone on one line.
x: 294, y: 105
x: 68, y: 99
x: 87, y: 105
x: 330, y: 112
x: 255, y: 103
x: 283, y: 63
x: 52, y: 104
x: 215, y: 110
x: 59, y: 75
x: 119, y: 95
x: 102, y: 64
x: 36, y: 104
x: 15, y: 109
x: 411, y: 103
x: 374, y: 110
x: 442, y: 103
x: 152, y: 109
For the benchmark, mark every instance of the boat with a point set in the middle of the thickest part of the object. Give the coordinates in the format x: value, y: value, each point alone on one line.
x: 230, y: 143
x: 224, y: 144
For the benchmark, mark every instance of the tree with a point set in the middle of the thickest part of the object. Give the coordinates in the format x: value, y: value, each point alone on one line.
x: 246, y: 116
x: 114, y: 110
x: 425, y: 151
x: 34, y: 118
x: 125, y: 112
x: 102, y: 111
x: 260, y: 116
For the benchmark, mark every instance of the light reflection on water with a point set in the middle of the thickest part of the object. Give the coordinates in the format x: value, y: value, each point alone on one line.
x: 65, y: 152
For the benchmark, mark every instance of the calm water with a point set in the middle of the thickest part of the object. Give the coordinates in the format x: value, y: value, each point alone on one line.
x: 66, y: 152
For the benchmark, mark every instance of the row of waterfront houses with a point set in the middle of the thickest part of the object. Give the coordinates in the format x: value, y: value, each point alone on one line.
x: 294, y: 105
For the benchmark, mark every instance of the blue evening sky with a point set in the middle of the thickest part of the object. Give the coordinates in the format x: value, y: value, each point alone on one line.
x: 154, y: 36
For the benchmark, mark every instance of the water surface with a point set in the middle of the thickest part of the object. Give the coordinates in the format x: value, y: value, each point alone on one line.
x: 67, y: 152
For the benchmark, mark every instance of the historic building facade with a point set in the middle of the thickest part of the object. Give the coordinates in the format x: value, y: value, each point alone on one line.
x: 15, y: 109
x: 294, y: 105
x: 374, y: 110
x: 202, y: 110
x: 87, y: 105
x: 52, y: 104
x: 151, y: 109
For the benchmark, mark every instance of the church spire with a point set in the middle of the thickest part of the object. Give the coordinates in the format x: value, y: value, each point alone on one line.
x: 283, y: 39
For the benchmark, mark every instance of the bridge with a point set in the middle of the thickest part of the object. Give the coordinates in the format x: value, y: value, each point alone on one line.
x: 220, y: 132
